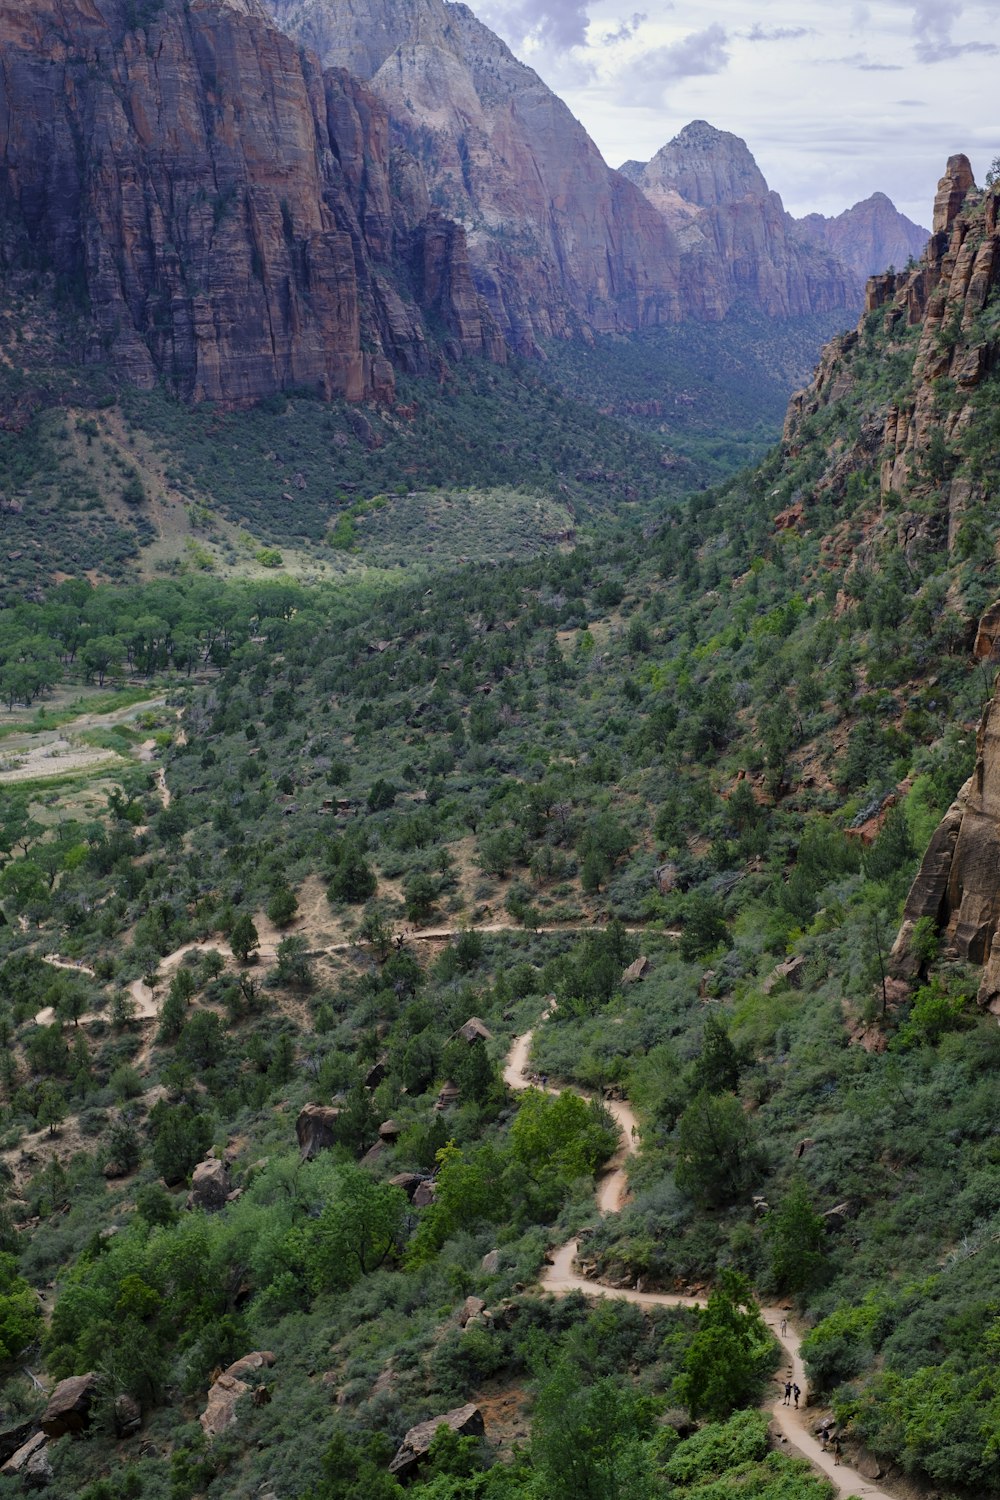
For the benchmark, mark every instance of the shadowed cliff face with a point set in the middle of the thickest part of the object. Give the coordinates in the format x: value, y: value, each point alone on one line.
x: 557, y: 240
x: 220, y: 207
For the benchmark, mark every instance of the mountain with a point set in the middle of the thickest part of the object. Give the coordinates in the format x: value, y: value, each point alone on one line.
x: 735, y: 236
x: 214, y: 209
x: 556, y: 238
x: 869, y: 237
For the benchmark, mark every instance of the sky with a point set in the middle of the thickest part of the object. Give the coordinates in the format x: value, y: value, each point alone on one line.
x: 836, y: 101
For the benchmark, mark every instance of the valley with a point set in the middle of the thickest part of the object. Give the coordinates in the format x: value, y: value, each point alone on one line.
x: 498, y: 829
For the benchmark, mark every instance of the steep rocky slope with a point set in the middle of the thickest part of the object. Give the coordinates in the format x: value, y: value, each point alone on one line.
x: 869, y: 237
x: 736, y: 238
x: 219, y: 210
x: 557, y: 239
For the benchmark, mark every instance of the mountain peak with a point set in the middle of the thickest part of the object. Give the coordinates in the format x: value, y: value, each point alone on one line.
x: 706, y: 166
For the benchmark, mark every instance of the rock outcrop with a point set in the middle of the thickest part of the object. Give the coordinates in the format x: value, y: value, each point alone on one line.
x: 943, y: 297
x: 958, y: 884
x: 466, y: 1421
x: 68, y: 1409
x: 226, y: 1390
x: 221, y: 208
x: 316, y: 1128
x: 557, y: 240
x: 870, y: 237
x: 737, y: 242
x: 210, y: 1185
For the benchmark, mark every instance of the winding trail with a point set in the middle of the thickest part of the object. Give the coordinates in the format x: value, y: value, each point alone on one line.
x: 560, y: 1278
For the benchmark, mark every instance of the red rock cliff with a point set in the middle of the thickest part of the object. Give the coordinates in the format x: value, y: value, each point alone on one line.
x: 220, y: 206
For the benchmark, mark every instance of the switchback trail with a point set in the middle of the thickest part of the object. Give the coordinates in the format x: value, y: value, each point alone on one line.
x: 559, y: 1278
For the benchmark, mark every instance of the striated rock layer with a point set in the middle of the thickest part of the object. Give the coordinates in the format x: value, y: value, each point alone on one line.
x: 558, y: 242
x: 226, y: 214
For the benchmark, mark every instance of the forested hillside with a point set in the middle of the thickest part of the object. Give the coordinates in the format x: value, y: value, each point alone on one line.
x: 288, y: 866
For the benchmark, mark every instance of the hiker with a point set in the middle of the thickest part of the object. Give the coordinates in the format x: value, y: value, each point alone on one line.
x: 796, y: 1394
x: 784, y: 1327
x: 634, y: 1132
x: 788, y: 1393
x: 836, y: 1451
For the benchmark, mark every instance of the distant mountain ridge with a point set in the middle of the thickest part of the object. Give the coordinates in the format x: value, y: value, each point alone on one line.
x: 557, y: 239
x: 710, y: 190
x: 869, y: 237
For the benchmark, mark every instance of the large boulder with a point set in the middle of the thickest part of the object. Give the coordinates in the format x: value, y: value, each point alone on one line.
x: 69, y: 1406
x: 316, y: 1128
x: 226, y: 1390
x: 18, y: 1461
x: 210, y: 1185
x: 474, y: 1030
x: 466, y: 1421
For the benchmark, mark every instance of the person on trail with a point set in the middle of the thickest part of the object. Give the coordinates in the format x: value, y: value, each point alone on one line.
x: 634, y: 1132
x: 784, y: 1327
x: 788, y: 1393
x: 836, y: 1451
x: 796, y: 1393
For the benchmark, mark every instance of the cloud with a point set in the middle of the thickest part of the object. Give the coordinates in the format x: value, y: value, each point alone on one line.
x: 859, y: 60
x: 759, y: 33
x: 626, y: 30
x: 643, y: 82
x: 932, y: 25
x: 552, y: 26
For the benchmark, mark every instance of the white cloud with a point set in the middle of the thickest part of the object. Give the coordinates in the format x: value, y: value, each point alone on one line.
x: 644, y: 81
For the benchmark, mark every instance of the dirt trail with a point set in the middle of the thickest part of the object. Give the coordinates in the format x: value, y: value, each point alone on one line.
x: 560, y: 1278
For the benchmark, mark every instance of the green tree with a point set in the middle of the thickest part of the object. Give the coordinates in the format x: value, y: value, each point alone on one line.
x: 730, y: 1354
x: 244, y: 938
x: 590, y: 1442
x: 796, y: 1238
x: 717, y: 1066
x: 704, y: 925
x: 716, y: 1149
x: 19, y: 1312
x: 358, y: 1230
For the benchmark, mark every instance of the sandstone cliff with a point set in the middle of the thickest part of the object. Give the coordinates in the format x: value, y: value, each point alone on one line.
x: 558, y: 241
x: 221, y: 209
x: 945, y: 310
x: 737, y: 241
x: 869, y: 237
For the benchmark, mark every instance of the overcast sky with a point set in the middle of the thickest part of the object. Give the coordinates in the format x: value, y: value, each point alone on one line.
x: 835, y: 101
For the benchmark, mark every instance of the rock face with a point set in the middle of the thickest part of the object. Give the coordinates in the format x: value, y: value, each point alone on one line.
x: 869, y: 237
x: 69, y: 1406
x: 557, y: 240
x: 226, y: 1390
x: 210, y: 1186
x: 466, y: 1421
x: 943, y: 296
x: 958, y: 883
x: 737, y: 242
x: 221, y: 207
x: 316, y: 1128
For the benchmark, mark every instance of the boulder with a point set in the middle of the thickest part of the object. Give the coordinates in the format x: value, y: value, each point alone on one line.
x: 801, y: 1147
x: 18, y: 1460
x: 474, y: 1030
x: 666, y: 878
x: 210, y: 1186
x: 128, y: 1416
x: 226, y: 1390
x: 449, y: 1094
x: 636, y: 970
x: 38, y: 1471
x: 836, y: 1217
x: 14, y: 1438
x: 790, y: 972
x: 424, y: 1194
x: 472, y: 1307
x: 466, y: 1421
x: 69, y: 1405
x: 316, y: 1129
x: 408, y: 1181
x: 375, y: 1075
x: 389, y: 1132
x: 373, y: 1153
x: 490, y: 1262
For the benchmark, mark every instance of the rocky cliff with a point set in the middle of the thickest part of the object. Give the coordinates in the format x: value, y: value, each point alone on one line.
x: 932, y: 448
x: 737, y: 241
x: 225, y: 214
x: 557, y: 240
x: 869, y: 237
